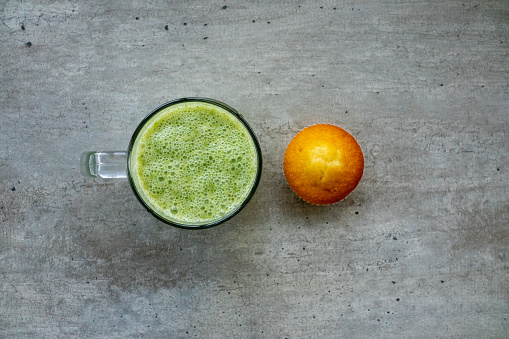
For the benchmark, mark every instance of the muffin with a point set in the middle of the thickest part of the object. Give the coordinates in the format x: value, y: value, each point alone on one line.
x: 323, y: 164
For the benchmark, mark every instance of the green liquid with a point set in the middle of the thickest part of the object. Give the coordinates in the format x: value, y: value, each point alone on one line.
x: 194, y: 163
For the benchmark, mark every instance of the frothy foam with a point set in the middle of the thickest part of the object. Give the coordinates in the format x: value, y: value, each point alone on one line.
x: 194, y: 163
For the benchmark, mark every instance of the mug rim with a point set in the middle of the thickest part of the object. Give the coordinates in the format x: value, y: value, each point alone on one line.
x: 230, y: 110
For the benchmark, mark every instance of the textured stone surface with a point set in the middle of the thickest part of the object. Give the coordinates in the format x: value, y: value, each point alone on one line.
x: 419, y: 249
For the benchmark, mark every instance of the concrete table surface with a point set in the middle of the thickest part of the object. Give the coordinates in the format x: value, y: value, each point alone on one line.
x: 420, y: 249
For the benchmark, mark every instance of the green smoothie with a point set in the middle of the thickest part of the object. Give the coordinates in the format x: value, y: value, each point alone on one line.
x: 194, y: 163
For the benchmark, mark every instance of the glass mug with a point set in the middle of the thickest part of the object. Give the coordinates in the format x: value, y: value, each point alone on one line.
x: 192, y: 163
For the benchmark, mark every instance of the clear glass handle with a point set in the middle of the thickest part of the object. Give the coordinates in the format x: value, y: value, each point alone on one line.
x: 104, y: 164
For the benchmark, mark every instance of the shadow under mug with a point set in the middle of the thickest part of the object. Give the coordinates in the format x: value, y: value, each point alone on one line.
x: 119, y: 164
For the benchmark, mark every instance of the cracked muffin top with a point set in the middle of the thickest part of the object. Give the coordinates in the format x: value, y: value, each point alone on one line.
x: 323, y: 164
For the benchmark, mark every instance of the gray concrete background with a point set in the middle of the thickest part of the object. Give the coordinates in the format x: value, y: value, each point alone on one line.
x: 420, y: 249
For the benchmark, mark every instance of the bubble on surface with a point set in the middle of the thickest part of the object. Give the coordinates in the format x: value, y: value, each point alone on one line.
x: 183, y: 163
